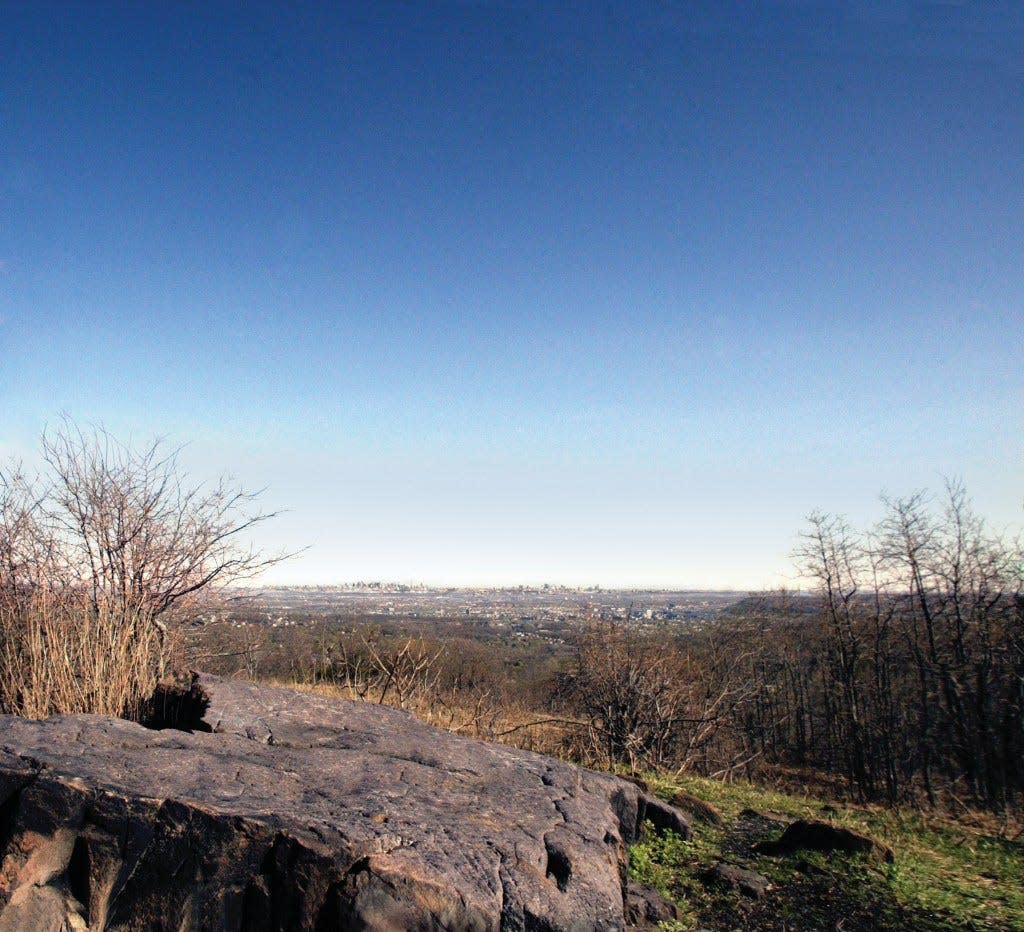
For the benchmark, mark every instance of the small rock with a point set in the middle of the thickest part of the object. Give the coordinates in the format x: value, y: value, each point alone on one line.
x: 665, y: 818
x: 769, y: 816
x: 700, y: 809
x: 749, y: 883
x: 646, y: 906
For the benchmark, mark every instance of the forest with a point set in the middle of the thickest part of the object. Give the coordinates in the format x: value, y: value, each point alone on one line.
x: 897, y: 678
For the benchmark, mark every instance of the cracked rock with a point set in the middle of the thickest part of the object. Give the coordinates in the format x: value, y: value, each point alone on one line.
x: 351, y: 815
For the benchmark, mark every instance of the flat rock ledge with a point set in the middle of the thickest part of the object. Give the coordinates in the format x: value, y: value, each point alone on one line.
x: 295, y: 811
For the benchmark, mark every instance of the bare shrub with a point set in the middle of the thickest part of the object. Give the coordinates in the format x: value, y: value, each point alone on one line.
x: 399, y: 672
x: 626, y: 684
x: 100, y: 555
x: 657, y: 699
x: 63, y: 653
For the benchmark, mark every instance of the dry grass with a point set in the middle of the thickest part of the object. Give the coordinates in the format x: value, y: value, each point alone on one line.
x: 64, y: 654
x: 484, y: 717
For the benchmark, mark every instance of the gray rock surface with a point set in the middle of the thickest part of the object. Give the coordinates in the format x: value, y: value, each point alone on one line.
x: 302, y: 812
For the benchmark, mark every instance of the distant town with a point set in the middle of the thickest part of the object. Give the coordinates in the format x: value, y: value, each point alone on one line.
x: 527, y: 611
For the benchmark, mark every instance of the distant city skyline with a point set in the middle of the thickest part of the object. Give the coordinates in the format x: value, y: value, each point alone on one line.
x: 487, y: 293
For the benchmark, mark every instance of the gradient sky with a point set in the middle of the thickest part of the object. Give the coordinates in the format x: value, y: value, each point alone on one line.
x: 522, y: 292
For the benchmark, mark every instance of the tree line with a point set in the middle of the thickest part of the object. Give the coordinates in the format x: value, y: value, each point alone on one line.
x: 908, y: 678
x: 901, y: 671
x: 896, y: 676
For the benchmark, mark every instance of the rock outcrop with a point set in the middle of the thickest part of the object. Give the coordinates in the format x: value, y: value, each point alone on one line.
x: 285, y: 810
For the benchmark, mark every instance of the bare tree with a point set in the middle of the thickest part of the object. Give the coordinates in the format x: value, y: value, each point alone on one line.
x: 908, y: 678
x: 398, y: 671
x: 653, y: 699
x: 25, y: 553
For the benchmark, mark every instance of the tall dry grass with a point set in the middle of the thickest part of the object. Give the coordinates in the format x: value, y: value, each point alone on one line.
x: 65, y: 653
x: 480, y: 715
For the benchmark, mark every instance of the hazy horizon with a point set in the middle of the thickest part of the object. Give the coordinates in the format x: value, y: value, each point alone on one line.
x: 497, y: 586
x: 484, y: 293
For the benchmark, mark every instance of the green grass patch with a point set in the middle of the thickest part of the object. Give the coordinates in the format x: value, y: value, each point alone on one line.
x: 946, y: 875
x: 670, y: 864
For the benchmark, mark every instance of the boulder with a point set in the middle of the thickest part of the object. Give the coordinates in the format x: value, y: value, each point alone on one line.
x: 285, y: 810
x: 817, y: 835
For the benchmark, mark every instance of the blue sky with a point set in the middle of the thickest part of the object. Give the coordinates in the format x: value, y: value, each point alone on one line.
x: 505, y: 292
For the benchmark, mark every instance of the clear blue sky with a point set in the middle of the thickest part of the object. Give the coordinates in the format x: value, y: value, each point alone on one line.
x: 502, y: 292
